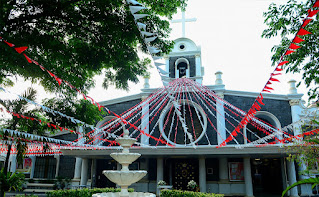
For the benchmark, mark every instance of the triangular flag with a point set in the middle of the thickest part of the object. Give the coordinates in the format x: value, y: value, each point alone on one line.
x: 157, y: 64
x: 289, y: 52
x: 279, y: 69
x: 273, y: 79
x: 316, y: 5
x: 134, y: 2
x: 297, y: 40
x: 139, y: 16
x: 305, y: 22
x: 145, y: 33
x: 8, y: 43
x: 274, y: 74
x: 153, y: 49
x: 162, y: 71
x: 51, y: 74
x: 150, y: 39
x: 303, y: 32
x: 141, y: 26
x: 135, y: 9
x: 20, y: 49
x: 312, y: 13
x: 282, y: 63
x: 28, y: 59
x: 294, y: 46
x: 58, y: 80
x: 268, y: 88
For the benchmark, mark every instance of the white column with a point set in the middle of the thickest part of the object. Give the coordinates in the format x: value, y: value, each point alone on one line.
x: 145, y: 140
x: 223, y: 170
x: 33, y: 158
x: 57, y: 157
x: 202, y: 174
x: 167, y: 63
x: 159, y: 171
x: 78, y: 166
x: 84, y: 171
x: 93, y: 171
x: 248, y: 180
x: 221, y: 135
x: 198, y: 68
x: 13, y: 163
x: 292, y: 178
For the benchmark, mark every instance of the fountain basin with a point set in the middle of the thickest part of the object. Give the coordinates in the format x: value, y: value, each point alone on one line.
x: 125, y: 158
x: 124, y: 178
x: 126, y: 142
x: 117, y: 194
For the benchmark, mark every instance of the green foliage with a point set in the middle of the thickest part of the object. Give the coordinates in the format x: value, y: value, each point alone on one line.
x: 313, y: 181
x: 79, y: 39
x: 180, y: 193
x: 82, y: 192
x: 10, y: 181
x: 61, y: 183
x: 79, y: 109
x: 285, y: 20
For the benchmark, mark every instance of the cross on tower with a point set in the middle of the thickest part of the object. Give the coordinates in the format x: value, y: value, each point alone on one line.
x: 183, y: 20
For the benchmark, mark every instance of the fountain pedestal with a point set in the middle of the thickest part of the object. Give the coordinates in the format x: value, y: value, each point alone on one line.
x: 125, y: 177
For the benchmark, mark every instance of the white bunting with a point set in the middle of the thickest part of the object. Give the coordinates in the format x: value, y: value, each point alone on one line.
x: 156, y: 57
x: 162, y: 71
x: 135, y: 9
x: 150, y: 39
x: 134, y: 2
x: 157, y: 64
x: 139, y: 16
x: 153, y: 49
x: 141, y: 26
x: 145, y: 33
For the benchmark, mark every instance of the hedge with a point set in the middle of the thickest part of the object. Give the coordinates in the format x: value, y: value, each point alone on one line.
x: 180, y: 193
x: 82, y: 192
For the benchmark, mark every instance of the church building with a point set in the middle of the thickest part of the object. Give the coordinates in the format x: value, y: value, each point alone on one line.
x: 182, y: 154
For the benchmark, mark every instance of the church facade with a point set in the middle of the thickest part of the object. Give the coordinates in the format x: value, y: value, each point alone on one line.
x: 229, y: 170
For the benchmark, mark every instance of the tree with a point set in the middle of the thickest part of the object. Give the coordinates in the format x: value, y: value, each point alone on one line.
x: 79, y: 39
x: 80, y: 109
x: 10, y: 181
x: 285, y: 21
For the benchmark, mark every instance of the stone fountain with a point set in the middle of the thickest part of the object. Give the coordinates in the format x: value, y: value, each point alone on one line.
x: 125, y: 177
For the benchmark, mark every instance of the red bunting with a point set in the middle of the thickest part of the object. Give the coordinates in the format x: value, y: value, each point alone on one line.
x: 312, y: 13
x: 305, y: 22
x: 297, y: 40
x: 8, y: 43
x: 21, y: 49
x: 42, y: 68
x: 274, y: 74
x: 266, y: 91
x: 28, y: 59
x: 58, y: 80
x: 51, y: 74
x: 316, y: 5
x: 289, y: 52
x: 294, y: 46
x: 273, y: 79
x: 279, y: 69
x: 268, y: 88
x: 303, y: 32
x: 268, y: 83
x: 282, y: 63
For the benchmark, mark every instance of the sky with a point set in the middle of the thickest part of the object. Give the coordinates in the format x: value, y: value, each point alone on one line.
x: 229, y: 33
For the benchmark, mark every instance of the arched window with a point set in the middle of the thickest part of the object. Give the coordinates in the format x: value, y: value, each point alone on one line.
x: 253, y: 133
x: 181, y: 68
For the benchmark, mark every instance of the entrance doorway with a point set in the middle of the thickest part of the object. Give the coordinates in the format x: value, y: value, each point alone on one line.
x: 101, y: 180
x: 184, y: 170
x: 267, y: 177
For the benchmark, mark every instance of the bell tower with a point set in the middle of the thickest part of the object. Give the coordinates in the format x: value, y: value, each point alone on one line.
x: 185, y: 60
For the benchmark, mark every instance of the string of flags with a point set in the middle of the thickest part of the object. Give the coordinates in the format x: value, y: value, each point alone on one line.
x: 148, y: 37
x: 277, y: 71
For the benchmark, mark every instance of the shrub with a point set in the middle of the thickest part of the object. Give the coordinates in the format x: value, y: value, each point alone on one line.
x: 180, y: 193
x: 82, y: 192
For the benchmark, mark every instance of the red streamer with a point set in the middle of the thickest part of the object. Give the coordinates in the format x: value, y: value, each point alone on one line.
x: 297, y: 40
x: 20, y: 49
x: 294, y: 46
x: 303, y: 32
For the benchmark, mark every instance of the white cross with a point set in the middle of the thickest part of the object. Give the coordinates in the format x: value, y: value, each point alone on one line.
x: 183, y: 20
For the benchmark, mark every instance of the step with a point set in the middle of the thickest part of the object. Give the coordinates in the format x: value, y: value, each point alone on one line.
x: 40, y: 184
x: 38, y: 190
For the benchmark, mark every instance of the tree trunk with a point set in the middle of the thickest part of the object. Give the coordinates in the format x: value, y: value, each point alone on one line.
x: 6, y: 163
